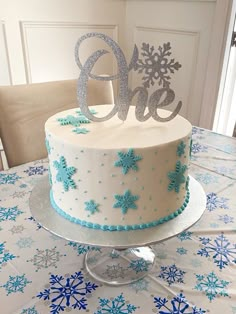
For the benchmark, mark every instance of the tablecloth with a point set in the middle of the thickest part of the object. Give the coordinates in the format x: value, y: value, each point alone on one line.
x: 194, y: 272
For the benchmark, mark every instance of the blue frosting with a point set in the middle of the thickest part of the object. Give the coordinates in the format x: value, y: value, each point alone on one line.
x: 119, y: 227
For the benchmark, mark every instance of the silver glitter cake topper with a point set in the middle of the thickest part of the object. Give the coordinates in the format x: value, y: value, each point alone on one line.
x: 156, y: 67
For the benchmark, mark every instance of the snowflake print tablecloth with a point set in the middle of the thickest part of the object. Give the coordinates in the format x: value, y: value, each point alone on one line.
x: 194, y: 272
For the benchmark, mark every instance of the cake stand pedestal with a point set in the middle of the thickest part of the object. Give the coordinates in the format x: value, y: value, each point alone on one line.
x: 116, y: 257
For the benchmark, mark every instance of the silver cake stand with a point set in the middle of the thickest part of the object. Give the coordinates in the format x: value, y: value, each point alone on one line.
x: 115, y: 257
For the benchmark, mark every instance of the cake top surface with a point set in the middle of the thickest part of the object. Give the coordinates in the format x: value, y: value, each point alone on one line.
x: 115, y: 133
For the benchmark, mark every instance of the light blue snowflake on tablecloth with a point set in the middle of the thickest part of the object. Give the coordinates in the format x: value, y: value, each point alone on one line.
x: 172, y: 274
x: 30, y: 310
x: 222, y: 250
x: 65, y: 173
x: 223, y: 170
x: 36, y: 170
x: 196, y: 130
x: 9, y: 178
x: 181, y: 251
x: 177, y: 177
x: 16, y: 284
x: 229, y: 148
x: 67, y: 293
x: 139, y: 285
x: 82, y: 249
x: 179, y: 305
x: 91, y: 206
x: 226, y: 219
x: 211, y: 285
x: 195, y: 262
x: 213, y: 202
x: 9, y: 213
x: 126, y: 201
x: 23, y: 243
x: 180, y: 149
x: 139, y: 265
x: 116, y: 305
x: 185, y: 235
x: 80, y: 131
x: 128, y: 161
x: 198, y: 148
x: 206, y: 178
x: 5, y: 256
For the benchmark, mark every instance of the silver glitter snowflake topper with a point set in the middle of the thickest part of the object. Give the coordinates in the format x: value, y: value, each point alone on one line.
x: 156, y: 66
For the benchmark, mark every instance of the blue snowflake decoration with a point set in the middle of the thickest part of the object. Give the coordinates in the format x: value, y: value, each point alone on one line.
x: 126, y: 201
x: 72, y: 120
x: 128, y: 161
x: 177, y: 177
x: 65, y: 173
x: 36, y: 170
x: 30, y: 310
x: 9, y: 178
x: 139, y: 285
x: 172, y: 274
x: 48, y: 147
x: 213, y: 202
x: 5, y: 256
x: 9, y: 213
x: 181, y: 251
x: 221, y: 249
x: 80, y: 131
x: 206, y: 178
x: 196, y: 130
x: 185, y: 235
x: 226, y: 219
x: 139, y: 265
x: 179, y: 305
x: 82, y: 249
x: 16, y: 284
x: 91, y: 206
x: 211, y: 285
x: 181, y: 149
x: 66, y: 293
x: 117, y: 305
x: 198, y: 148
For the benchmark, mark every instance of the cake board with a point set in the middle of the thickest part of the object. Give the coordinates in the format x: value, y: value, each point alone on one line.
x: 130, y: 250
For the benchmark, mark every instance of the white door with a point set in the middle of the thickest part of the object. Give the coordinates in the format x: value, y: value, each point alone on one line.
x: 37, y: 40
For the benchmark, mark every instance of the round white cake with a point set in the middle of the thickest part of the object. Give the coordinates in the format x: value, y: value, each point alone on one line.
x: 116, y: 175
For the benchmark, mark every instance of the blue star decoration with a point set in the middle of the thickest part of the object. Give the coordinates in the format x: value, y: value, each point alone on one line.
x: 126, y: 201
x: 91, y: 206
x: 181, y: 149
x: 177, y: 177
x: 64, y: 173
x: 127, y: 161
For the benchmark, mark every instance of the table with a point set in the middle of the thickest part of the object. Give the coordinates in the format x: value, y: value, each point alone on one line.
x: 195, y: 272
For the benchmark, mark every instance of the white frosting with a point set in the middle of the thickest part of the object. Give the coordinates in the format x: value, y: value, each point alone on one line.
x: 94, y: 154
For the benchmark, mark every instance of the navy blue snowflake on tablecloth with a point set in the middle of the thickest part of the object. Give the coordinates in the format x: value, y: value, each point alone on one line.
x: 198, y: 148
x: 9, y: 213
x: 5, y: 256
x: 128, y: 161
x: 9, y: 178
x: 64, y: 173
x: 82, y: 249
x: 116, y: 305
x: 172, y: 274
x: 211, y: 285
x: 139, y: 265
x: 35, y: 170
x: 178, y: 305
x: 196, y: 130
x: 185, y: 235
x: 213, y: 202
x: 66, y: 293
x: 16, y: 284
x: 221, y: 250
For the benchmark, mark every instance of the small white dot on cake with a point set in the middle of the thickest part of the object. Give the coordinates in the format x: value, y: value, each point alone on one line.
x: 104, y: 197
x: 102, y: 165
x: 89, y: 171
x: 113, y: 175
x: 85, y: 191
x: 99, y: 181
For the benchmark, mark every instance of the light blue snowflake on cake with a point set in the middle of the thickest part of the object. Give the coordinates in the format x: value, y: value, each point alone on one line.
x: 9, y: 213
x: 177, y: 177
x: 36, y: 170
x: 127, y: 161
x: 48, y: 147
x: 5, y: 256
x: 80, y: 131
x: 126, y: 201
x: 172, y: 274
x: 9, y: 178
x: 65, y: 173
x: 91, y: 206
x: 49, y: 175
x: 81, y: 114
x: 30, y: 310
x: 116, y: 305
x: 139, y: 265
x: 178, y: 305
x: 16, y: 284
x: 67, y: 293
x: 211, y: 285
x: 223, y: 252
x: 72, y: 120
x: 226, y: 219
x: 185, y: 235
x: 82, y: 249
x: 181, y: 149
x: 213, y: 202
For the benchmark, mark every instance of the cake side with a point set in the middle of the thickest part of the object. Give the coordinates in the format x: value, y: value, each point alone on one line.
x: 118, y: 175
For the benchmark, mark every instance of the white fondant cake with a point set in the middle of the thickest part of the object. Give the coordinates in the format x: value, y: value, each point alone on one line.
x: 116, y: 175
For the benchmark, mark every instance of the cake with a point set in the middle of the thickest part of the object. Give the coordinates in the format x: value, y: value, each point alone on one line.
x: 115, y: 175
